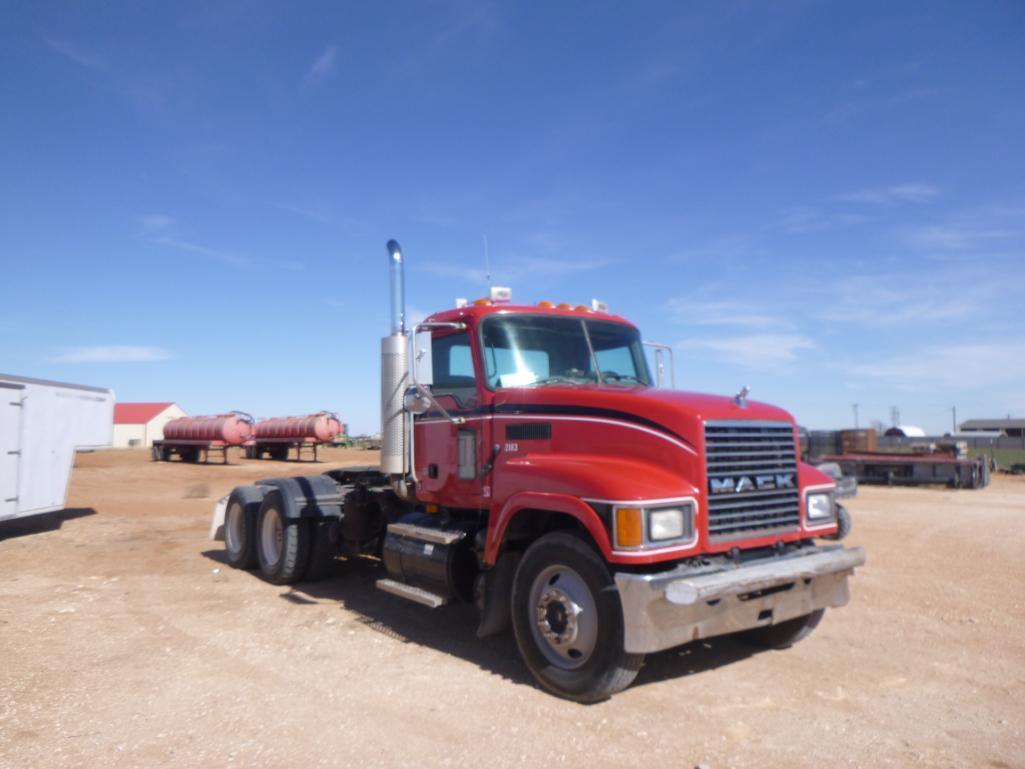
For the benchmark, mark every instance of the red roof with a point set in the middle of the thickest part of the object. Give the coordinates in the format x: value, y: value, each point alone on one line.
x: 137, y: 413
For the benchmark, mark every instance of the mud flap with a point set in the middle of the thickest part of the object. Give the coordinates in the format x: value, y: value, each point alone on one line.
x: 496, y: 602
x: 217, y: 523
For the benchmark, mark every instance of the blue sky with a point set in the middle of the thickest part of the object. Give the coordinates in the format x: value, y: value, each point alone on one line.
x: 825, y: 201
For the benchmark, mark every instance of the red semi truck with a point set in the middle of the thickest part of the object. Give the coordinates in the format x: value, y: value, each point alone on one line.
x: 531, y: 465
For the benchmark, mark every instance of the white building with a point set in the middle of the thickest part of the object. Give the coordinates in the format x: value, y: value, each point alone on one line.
x: 137, y: 425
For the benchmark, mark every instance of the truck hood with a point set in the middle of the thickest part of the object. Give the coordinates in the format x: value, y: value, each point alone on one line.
x: 678, y: 412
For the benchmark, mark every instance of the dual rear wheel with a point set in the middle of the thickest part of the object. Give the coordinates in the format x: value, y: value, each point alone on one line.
x: 257, y: 534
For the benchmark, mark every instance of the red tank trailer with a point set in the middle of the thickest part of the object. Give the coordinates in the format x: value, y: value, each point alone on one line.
x: 276, y: 435
x: 190, y: 437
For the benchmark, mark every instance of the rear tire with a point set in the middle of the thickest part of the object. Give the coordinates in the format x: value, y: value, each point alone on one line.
x: 785, y: 634
x: 240, y: 521
x: 568, y: 620
x: 282, y: 546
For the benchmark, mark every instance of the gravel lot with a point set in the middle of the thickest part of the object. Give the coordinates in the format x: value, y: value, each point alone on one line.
x: 125, y: 641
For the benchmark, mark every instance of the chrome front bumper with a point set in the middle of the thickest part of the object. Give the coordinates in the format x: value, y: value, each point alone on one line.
x: 686, y: 603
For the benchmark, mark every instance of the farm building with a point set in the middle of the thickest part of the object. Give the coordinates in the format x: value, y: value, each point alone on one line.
x: 137, y: 425
x: 905, y: 431
x: 1012, y: 428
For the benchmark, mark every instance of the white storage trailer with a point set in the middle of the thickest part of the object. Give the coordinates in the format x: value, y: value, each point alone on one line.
x: 42, y: 425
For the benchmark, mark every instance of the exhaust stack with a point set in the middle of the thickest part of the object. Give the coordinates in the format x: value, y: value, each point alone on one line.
x: 398, y: 288
x: 394, y: 372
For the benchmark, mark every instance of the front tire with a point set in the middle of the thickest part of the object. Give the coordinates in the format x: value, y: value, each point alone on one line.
x: 568, y: 620
x: 282, y: 546
x: 785, y: 634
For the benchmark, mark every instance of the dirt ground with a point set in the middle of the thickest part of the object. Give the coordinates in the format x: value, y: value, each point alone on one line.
x: 125, y: 641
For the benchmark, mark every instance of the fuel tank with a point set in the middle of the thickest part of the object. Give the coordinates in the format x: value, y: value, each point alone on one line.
x: 231, y: 429
x: 321, y: 427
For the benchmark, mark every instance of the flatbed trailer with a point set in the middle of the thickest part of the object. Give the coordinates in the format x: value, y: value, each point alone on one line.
x: 913, y: 469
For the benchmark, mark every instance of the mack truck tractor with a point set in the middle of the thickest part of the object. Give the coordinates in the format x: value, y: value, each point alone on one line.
x: 531, y: 465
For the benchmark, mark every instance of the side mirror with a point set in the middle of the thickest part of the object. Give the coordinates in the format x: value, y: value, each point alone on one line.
x: 661, y: 352
x: 415, y: 402
x: 423, y: 364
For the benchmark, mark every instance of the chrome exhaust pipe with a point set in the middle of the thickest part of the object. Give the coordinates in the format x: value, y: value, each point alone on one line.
x: 394, y: 372
x: 398, y: 288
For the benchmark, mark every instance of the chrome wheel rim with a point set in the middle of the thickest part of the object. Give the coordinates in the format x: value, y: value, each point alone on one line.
x: 272, y: 537
x: 233, y: 528
x: 564, y: 617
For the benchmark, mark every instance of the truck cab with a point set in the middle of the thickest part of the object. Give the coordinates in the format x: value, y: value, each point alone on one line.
x: 532, y: 465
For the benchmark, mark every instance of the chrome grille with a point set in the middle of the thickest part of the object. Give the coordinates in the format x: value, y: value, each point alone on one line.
x: 752, y: 479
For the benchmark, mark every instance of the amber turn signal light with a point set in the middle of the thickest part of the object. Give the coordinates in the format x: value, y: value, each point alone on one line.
x: 629, y: 527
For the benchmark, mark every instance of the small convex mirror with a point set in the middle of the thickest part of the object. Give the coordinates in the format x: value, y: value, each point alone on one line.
x: 415, y: 402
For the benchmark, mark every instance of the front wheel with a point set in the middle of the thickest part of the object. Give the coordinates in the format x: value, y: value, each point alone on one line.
x: 568, y: 620
x: 785, y: 634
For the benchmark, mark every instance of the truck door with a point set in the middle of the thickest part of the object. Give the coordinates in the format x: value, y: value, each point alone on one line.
x: 10, y: 447
x: 449, y: 457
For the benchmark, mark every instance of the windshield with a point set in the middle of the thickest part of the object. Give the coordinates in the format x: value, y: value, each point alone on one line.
x: 525, y: 350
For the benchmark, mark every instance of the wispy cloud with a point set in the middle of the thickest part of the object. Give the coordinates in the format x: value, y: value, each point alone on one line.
x: 753, y: 351
x: 77, y: 54
x: 512, y: 269
x: 800, y: 220
x: 111, y: 354
x: 899, y: 299
x: 957, y: 366
x: 915, y: 192
x: 956, y: 238
x: 162, y: 230
x: 313, y: 214
x: 724, y: 313
x: 323, y: 65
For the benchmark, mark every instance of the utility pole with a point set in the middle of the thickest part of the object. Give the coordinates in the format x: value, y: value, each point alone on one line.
x: 953, y: 411
x: 894, y: 415
x: 855, y: 407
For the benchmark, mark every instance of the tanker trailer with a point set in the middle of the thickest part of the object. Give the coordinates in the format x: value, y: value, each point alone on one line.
x: 273, y: 437
x: 191, y: 437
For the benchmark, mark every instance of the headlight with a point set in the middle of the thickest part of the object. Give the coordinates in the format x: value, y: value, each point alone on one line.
x: 666, y: 524
x: 639, y: 527
x: 820, y: 507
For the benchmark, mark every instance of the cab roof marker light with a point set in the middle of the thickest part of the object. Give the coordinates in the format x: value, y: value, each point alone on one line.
x: 564, y: 306
x: 545, y: 304
x: 501, y: 294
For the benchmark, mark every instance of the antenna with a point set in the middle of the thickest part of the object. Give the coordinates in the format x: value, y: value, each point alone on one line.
x: 487, y: 262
